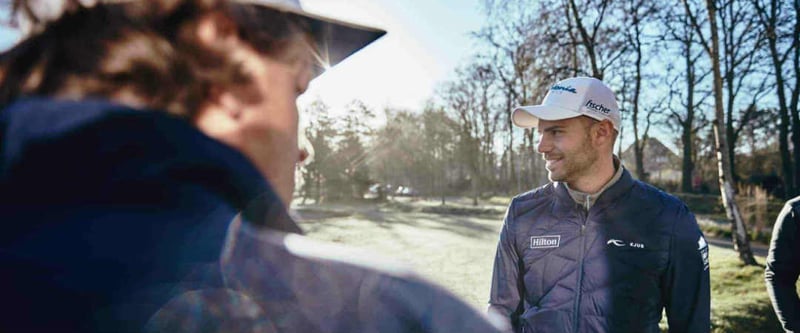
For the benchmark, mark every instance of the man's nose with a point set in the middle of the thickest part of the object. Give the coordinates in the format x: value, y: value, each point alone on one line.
x: 543, y: 144
x: 305, y: 151
x: 303, y: 157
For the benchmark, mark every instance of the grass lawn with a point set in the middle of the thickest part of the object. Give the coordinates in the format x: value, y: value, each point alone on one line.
x: 456, y: 250
x: 739, y: 301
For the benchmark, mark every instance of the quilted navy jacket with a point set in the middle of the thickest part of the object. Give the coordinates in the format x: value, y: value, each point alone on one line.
x: 120, y: 220
x: 783, y: 266
x: 613, y: 268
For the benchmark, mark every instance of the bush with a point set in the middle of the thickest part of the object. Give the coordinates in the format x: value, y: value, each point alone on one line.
x: 706, y: 204
x: 759, y: 211
x: 724, y: 231
x: 667, y: 185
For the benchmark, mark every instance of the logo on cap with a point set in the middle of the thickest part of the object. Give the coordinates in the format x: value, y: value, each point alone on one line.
x: 598, y: 107
x: 565, y: 88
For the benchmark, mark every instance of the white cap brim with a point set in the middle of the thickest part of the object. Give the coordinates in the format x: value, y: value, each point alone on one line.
x: 336, y: 39
x: 528, y: 116
x: 339, y: 40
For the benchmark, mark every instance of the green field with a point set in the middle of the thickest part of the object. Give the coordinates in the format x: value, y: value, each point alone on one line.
x: 454, y: 251
x: 454, y: 246
x: 739, y: 301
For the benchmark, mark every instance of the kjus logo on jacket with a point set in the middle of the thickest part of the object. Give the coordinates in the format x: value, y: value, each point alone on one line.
x: 621, y: 243
x: 615, y: 242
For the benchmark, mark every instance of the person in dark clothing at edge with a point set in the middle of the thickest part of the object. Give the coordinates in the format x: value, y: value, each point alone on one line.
x: 147, y: 155
x: 595, y: 250
x: 783, y: 266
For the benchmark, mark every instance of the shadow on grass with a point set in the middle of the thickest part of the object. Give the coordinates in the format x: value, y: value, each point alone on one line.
x: 461, y: 225
x: 749, y: 317
x: 450, y: 209
x: 390, y: 216
x: 739, y: 300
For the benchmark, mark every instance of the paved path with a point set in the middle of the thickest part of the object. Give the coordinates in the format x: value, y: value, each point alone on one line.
x: 758, y: 249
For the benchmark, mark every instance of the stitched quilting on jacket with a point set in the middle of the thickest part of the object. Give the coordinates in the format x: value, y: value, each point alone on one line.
x: 613, y: 268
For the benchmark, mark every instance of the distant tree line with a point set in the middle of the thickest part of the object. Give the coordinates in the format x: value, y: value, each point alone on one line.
x: 721, y: 77
x: 656, y: 56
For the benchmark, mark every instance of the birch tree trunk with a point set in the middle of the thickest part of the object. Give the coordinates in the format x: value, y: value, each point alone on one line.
x: 741, y: 240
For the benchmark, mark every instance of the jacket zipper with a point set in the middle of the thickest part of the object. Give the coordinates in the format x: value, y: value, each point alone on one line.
x: 576, y: 313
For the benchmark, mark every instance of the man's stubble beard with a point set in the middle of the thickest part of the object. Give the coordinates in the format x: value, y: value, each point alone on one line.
x: 576, y: 164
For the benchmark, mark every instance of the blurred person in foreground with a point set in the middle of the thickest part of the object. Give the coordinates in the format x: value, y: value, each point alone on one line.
x: 595, y: 250
x: 147, y: 155
x: 783, y: 266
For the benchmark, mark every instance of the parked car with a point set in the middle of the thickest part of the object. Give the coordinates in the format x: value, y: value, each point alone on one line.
x: 405, y: 191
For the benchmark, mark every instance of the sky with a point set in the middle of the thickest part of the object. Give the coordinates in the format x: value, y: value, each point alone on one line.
x: 424, y: 43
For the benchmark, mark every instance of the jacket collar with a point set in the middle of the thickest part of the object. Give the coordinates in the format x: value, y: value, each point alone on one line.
x: 565, y: 205
x: 78, y: 150
x: 588, y: 199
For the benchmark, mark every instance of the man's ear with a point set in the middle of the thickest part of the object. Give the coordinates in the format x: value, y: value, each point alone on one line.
x: 228, y: 105
x: 220, y: 118
x: 604, y: 132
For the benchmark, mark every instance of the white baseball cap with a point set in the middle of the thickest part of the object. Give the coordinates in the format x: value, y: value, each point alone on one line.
x: 337, y: 39
x: 578, y: 96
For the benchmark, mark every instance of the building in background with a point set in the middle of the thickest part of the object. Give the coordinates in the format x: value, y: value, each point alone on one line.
x: 661, y: 165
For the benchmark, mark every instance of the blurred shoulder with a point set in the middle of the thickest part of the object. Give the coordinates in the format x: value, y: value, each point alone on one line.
x: 292, y: 271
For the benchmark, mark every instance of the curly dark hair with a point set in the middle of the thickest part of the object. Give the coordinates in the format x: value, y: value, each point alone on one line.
x: 146, y: 49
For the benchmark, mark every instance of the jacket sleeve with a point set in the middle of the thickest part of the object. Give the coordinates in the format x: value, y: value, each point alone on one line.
x: 783, y: 268
x: 686, y: 285
x: 505, y: 299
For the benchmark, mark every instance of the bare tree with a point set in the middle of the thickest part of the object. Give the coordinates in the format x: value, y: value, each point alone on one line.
x: 320, y: 132
x: 688, y: 117
x: 741, y: 44
x: 794, y: 108
x: 596, y: 33
x: 525, y: 55
x: 511, y: 55
x: 636, y: 14
x: 488, y: 117
x: 741, y: 240
x: 776, y: 23
x: 438, y: 134
x: 468, y: 100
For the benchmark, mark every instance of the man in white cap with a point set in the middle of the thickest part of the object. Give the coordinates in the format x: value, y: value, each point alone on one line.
x: 147, y: 157
x: 595, y: 250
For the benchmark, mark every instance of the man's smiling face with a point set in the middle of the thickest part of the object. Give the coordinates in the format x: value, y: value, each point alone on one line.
x: 567, y: 148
